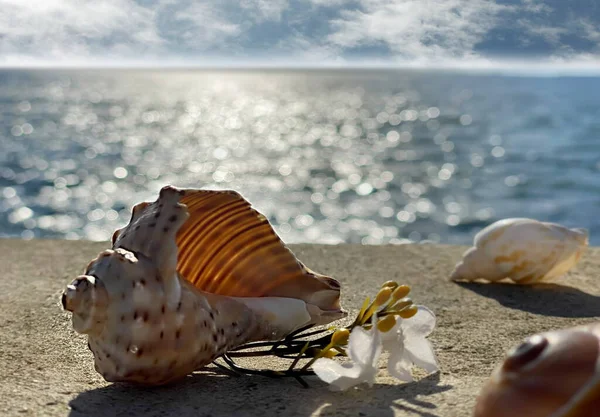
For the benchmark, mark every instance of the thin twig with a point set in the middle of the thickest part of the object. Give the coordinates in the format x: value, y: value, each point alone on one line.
x: 291, y: 338
x: 297, y: 374
x: 295, y: 362
x: 229, y: 370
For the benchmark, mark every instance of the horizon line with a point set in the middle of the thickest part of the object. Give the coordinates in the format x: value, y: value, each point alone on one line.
x: 517, y: 67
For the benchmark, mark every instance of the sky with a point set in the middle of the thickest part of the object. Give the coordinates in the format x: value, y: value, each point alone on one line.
x: 297, y: 32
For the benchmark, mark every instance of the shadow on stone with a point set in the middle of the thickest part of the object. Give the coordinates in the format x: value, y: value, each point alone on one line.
x: 213, y: 394
x: 545, y: 299
x: 383, y: 400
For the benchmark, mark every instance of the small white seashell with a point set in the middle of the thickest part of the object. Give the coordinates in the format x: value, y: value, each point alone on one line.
x: 525, y: 250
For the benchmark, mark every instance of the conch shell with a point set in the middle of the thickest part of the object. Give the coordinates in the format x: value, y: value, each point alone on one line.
x: 193, y: 275
x: 525, y: 250
x: 553, y: 374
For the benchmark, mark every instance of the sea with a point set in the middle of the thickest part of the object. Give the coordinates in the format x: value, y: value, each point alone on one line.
x: 328, y: 156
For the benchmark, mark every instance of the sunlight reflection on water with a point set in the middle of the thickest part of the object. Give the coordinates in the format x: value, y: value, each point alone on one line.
x: 372, y: 157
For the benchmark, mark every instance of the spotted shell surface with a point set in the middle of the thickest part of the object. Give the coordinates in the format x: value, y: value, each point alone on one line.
x: 552, y: 374
x: 524, y: 250
x: 193, y: 274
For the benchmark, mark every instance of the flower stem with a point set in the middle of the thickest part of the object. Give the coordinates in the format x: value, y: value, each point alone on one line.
x: 295, y: 373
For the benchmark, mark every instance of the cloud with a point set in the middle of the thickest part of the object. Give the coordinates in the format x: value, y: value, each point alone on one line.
x: 194, y: 25
x: 59, y: 28
x: 565, y: 31
x: 551, y: 34
x: 301, y: 48
x: 262, y: 10
x: 536, y: 6
x: 590, y: 31
x: 417, y: 29
x: 299, y: 31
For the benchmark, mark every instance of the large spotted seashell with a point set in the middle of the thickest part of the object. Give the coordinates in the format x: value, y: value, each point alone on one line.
x: 525, y: 250
x: 553, y: 374
x: 193, y: 275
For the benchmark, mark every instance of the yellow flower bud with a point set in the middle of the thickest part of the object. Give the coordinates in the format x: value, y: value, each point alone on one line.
x: 340, y: 337
x: 400, y: 292
x: 386, y: 324
x: 383, y: 296
x: 389, y: 284
x: 403, y: 303
x: 408, y: 312
x: 330, y: 353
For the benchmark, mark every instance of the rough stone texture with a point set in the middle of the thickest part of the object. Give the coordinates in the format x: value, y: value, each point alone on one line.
x: 46, y: 368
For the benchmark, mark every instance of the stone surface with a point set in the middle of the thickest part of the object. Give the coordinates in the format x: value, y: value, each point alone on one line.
x: 46, y: 368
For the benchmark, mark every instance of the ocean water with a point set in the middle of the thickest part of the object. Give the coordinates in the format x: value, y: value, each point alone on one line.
x: 328, y: 156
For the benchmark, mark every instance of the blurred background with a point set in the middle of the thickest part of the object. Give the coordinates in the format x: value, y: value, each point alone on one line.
x: 349, y: 121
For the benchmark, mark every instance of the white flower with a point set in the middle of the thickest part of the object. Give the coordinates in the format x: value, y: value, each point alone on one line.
x: 364, y: 349
x: 407, y: 345
x: 405, y: 341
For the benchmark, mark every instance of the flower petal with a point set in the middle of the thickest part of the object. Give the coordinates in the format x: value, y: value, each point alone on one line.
x: 393, y: 335
x: 421, y: 324
x: 341, y: 376
x: 398, y: 366
x: 368, y: 375
x: 329, y: 369
x: 364, y: 347
x: 419, y: 351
